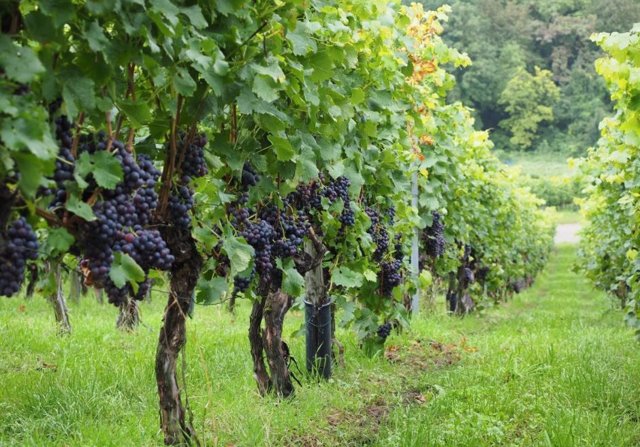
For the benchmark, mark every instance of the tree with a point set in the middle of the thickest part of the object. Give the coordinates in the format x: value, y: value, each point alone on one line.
x: 529, y: 100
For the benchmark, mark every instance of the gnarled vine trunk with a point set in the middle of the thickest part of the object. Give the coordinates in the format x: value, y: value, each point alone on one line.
x: 275, y: 309
x: 99, y: 293
x: 58, y: 301
x: 76, y: 286
x: 272, y: 306
x: 257, y: 347
x: 184, y: 276
x: 129, y: 316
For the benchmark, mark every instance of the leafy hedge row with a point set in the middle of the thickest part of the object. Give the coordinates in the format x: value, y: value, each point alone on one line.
x: 611, y: 240
x: 242, y: 133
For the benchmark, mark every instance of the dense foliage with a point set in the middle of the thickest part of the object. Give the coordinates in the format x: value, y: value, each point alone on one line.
x: 518, y: 44
x: 241, y: 146
x: 611, y: 240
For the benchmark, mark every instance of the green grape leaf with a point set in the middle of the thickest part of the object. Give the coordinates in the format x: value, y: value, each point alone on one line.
x: 272, y: 70
x: 347, y: 277
x: 102, y: 165
x: 78, y: 94
x: 95, y: 37
x: 124, y: 269
x: 107, y: 170
x: 210, y: 291
x: 348, y: 308
x: 292, y: 280
x: 20, y: 64
x: 206, y: 237
x: 31, y: 173
x: 370, y: 275
x: 301, y: 42
x: 59, y: 240
x: 265, y: 88
x: 28, y: 131
x: 282, y: 147
x: 183, y: 82
x: 137, y: 111
x: 194, y: 13
x: 239, y: 253
x: 80, y: 208
x: 357, y: 96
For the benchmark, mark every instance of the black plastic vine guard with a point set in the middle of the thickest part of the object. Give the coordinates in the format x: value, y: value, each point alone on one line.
x: 318, y: 328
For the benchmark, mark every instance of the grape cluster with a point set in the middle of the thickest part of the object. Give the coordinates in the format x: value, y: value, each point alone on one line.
x: 17, y: 245
x: 339, y: 189
x: 384, y: 331
x: 260, y: 236
x: 144, y: 289
x: 272, y: 232
x: 378, y: 233
x: 117, y: 295
x: 482, y: 273
x: 306, y: 197
x: 97, y: 262
x: 249, y: 176
x: 242, y: 283
x: 147, y: 248
x: 467, y: 277
x: 180, y: 203
x: 63, y: 132
x: 290, y: 230
x: 390, y: 276
x: 391, y: 214
x: 468, y: 262
x: 122, y: 214
x: 398, y: 252
x: 133, y: 175
x: 193, y: 165
x: 64, y: 166
x: 433, y: 237
x: 65, y: 162
x: 145, y: 202
x: 277, y: 232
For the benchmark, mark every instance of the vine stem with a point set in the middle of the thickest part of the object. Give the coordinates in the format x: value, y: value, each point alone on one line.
x: 48, y: 216
x: 170, y: 162
x: 130, y: 92
x: 233, y: 133
x: 109, y: 131
x: 76, y: 137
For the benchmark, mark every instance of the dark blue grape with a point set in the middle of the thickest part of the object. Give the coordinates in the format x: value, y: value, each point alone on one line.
x: 17, y: 245
x: 144, y: 289
x: 384, y: 331
x: 390, y: 276
x: 433, y: 237
x: 194, y: 164
x: 378, y: 233
x: 249, y: 176
x: 180, y: 203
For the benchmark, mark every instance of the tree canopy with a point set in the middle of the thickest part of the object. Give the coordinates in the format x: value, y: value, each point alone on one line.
x: 506, y: 38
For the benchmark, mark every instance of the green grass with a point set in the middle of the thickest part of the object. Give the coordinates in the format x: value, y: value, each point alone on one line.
x: 538, y: 164
x: 553, y: 367
x: 568, y: 216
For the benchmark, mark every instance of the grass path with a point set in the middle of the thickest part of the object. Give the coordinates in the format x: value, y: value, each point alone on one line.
x: 553, y: 367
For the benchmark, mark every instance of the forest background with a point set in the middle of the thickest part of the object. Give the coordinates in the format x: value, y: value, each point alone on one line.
x: 532, y: 81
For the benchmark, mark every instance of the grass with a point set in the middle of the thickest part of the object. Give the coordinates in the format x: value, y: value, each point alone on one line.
x: 553, y: 367
x: 540, y: 164
x: 568, y: 216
